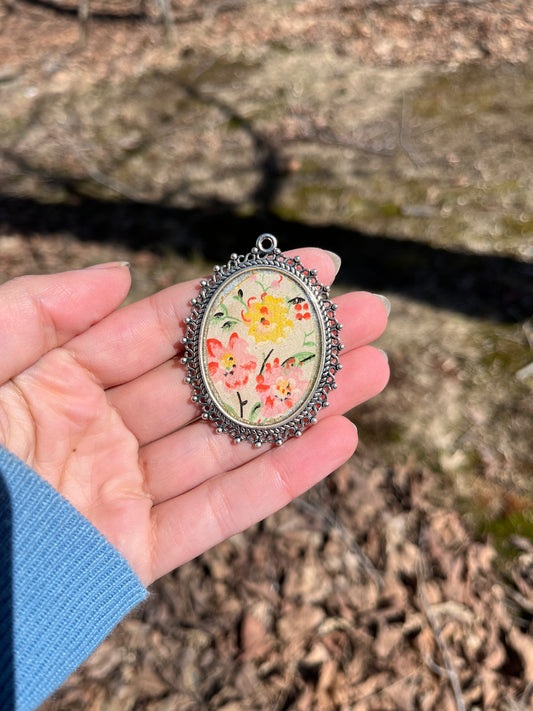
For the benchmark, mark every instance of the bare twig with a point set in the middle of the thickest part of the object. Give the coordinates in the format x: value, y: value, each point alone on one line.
x: 90, y: 168
x: 449, y: 669
x: 386, y: 687
x: 322, y: 135
x: 404, y: 138
x: 167, y: 17
x: 527, y: 327
x: 523, y: 703
x: 213, y: 9
x: 84, y: 10
x: 525, y: 372
x: 485, y: 5
x: 346, y: 537
x: 115, y: 185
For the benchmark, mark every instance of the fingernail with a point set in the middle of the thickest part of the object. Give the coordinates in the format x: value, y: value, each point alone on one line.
x: 385, y: 302
x: 109, y: 265
x: 386, y: 356
x: 335, y: 259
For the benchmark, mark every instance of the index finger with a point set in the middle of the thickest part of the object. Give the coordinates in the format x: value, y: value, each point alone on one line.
x: 139, y: 337
x: 39, y: 313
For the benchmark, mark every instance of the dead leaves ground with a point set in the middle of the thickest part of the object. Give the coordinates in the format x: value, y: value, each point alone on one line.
x: 365, y: 595
x: 370, y: 593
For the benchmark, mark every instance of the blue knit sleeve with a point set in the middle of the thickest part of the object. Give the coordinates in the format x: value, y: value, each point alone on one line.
x: 63, y: 587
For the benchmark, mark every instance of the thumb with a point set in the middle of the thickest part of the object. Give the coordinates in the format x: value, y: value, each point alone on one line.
x: 39, y: 313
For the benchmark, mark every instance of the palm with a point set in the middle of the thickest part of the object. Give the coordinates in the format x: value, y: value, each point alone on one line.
x: 103, y: 414
x: 80, y: 445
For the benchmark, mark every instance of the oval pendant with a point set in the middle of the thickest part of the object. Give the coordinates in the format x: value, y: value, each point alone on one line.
x: 262, y: 346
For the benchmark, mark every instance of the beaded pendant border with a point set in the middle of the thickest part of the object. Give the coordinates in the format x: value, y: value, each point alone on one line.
x: 262, y: 346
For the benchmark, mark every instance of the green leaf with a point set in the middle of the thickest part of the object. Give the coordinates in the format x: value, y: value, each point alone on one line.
x: 238, y: 298
x: 230, y: 410
x: 306, y: 336
x: 254, y: 411
x: 301, y: 357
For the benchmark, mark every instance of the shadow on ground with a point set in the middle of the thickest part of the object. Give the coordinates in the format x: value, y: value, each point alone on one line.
x: 484, y: 286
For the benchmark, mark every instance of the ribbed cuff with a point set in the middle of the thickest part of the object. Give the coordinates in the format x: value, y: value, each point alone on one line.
x: 63, y: 587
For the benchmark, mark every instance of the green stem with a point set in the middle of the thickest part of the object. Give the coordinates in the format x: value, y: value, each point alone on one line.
x: 265, y: 361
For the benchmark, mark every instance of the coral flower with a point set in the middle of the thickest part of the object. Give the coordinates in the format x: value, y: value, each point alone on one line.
x: 280, y: 388
x: 268, y: 318
x: 302, y: 312
x: 230, y: 365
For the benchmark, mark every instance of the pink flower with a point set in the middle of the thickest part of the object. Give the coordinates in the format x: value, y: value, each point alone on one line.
x: 280, y: 387
x: 231, y: 364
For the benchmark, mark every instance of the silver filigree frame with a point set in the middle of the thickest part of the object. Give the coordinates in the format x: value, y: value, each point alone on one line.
x: 265, y: 254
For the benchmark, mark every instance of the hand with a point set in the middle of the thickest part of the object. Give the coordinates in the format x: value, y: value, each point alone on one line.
x: 94, y: 400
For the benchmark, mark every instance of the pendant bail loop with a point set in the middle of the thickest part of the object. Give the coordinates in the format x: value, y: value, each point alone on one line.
x: 266, y: 243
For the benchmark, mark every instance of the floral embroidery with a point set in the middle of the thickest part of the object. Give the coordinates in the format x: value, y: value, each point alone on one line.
x: 302, y: 311
x: 280, y: 387
x: 268, y: 318
x: 230, y: 365
x: 269, y: 365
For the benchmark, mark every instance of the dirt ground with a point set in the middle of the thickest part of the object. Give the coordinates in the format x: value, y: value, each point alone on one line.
x: 399, y: 135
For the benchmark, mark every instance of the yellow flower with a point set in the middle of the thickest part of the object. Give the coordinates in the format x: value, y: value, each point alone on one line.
x: 268, y: 318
